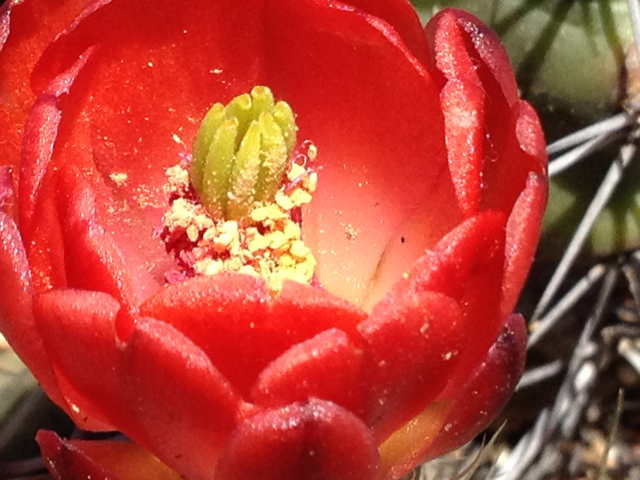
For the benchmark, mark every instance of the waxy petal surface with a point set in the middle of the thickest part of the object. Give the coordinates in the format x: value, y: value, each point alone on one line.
x: 327, y: 366
x: 186, y: 408
x: 402, y: 17
x: 93, y: 259
x: 26, y: 28
x: 467, y: 265
x: 486, y: 391
x: 41, y: 231
x: 463, y: 104
x: 314, y: 440
x: 229, y: 314
x: 362, y: 199
x: 79, y: 335
x: 523, y: 230
x: 412, y: 343
x: 158, y: 387
x: 479, y: 92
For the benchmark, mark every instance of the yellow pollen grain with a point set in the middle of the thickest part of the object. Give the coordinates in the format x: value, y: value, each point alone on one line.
x: 178, y: 180
x: 299, y: 250
x: 209, y: 234
x: 350, y: 232
x: 288, y: 260
x: 248, y: 270
x: 295, y: 171
x: 283, y: 201
x: 234, y: 264
x: 266, y: 243
x: 119, y: 178
x: 300, y: 196
x: 268, y: 212
x: 257, y: 243
x: 292, y: 230
x: 203, y: 222
x: 311, y: 182
x: 222, y: 242
x: 277, y: 240
x: 214, y: 267
x: 193, y: 232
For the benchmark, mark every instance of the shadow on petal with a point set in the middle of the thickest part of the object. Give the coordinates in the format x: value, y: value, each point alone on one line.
x: 486, y: 392
x: 106, y: 460
x: 403, y: 450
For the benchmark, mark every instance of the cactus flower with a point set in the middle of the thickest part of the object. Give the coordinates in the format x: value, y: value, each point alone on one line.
x: 151, y: 176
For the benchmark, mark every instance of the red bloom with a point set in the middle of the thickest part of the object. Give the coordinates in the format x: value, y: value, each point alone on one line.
x: 424, y: 225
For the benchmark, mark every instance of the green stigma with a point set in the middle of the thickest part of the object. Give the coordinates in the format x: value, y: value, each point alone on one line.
x: 241, y: 151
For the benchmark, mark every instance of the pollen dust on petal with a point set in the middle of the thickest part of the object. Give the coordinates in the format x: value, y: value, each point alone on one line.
x: 119, y: 178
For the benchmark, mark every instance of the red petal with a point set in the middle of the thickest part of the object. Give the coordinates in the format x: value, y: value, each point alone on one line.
x: 93, y: 259
x: 39, y: 218
x: 476, y: 66
x: 16, y: 308
x: 462, y: 253
x: 159, y: 388
x: 401, y: 17
x: 315, y: 440
x: 226, y: 316
x: 78, y: 329
x: 65, y: 462
x: 45, y: 245
x: 530, y: 135
x: 37, y: 176
x: 186, y: 408
x: 234, y: 320
x: 519, y: 149
x: 305, y: 309
x: 7, y: 192
x: 67, y: 459
x: 326, y: 366
x: 362, y: 99
x: 40, y: 132
x: 412, y: 346
x: 25, y: 30
x: 463, y: 104
x: 421, y: 230
x: 485, y: 47
x: 487, y: 390
x: 523, y: 232
x: 467, y: 265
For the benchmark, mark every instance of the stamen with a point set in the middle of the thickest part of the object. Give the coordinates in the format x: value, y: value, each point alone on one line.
x: 238, y: 207
x: 241, y: 151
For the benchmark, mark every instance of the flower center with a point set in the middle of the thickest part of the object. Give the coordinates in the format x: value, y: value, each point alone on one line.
x: 237, y: 206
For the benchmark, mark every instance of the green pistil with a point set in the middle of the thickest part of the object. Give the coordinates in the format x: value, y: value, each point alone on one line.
x: 240, y: 153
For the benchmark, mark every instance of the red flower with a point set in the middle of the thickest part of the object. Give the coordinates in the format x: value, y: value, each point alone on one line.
x: 424, y: 225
